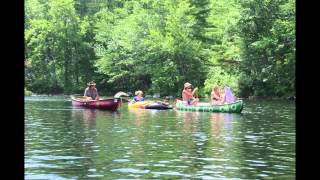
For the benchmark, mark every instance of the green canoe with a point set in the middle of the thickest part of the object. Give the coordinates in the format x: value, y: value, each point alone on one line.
x: 235, y: 107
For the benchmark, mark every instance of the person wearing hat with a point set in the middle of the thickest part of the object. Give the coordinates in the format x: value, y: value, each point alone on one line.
x: 187, y: 94
x: 138, y: 96
x: 91, y: 92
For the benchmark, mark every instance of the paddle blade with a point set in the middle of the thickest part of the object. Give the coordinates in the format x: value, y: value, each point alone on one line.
x: 119, y: 94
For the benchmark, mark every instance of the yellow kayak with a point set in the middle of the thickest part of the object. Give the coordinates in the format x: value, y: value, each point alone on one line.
x: 140, y: 104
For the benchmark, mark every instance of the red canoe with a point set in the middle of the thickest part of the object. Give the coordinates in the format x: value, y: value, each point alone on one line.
x: 107, y: 104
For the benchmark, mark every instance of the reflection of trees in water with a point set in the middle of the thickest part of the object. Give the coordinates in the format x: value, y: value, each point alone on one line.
x: 190, y: 147
x: 141, y: 137
x: 190, y: 121
x: 221, y: 134
x: 265, y: 144
x: 97, y: 136
x: 88, y: 116
x: 138, y: 116
x: 224, y: 144
x: 77, y: 140
x: 207, y: 136
x: 91, y: 133
x: 219, y: 123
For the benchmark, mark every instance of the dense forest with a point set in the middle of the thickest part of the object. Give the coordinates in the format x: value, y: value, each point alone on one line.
x: 158, y: 45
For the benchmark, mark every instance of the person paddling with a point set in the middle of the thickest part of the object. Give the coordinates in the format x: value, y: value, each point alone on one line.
x: 188, y: 96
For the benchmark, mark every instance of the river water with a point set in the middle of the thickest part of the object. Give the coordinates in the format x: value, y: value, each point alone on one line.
x: 63, y: 142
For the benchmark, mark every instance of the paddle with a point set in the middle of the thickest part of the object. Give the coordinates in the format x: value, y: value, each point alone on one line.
x: 120, y: 93
x: 78, y: 98
x: 195, y: 92
x: 176, y: 100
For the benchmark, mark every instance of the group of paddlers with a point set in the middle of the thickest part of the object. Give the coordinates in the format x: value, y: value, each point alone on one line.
x: 217, y: 97
x: 188, y: 95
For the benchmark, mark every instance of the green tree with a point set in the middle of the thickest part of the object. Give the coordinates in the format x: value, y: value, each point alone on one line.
x: 224, y: 55
x: 268, y: 32
x: 58, y: 57
x: 158, y: 45
x: 149, y: 47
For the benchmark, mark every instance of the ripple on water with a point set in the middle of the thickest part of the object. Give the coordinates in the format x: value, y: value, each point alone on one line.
x: 168, y: 152
x: 156, y: 126
x: 212, y: 166
x: 142, y: 165
x: 206, y: 177
x: 178, y: 166
x: 95, y: 175
x: 39, y: 165
x: 262, y: 175
x: 130, y: 170
x: 159, y: 165
x: 257, y: 165
x: 213, y: 159
x: 45, y: 176
x: 172, y: 173
x: 164, y: 162
x: 39, y: 151
x: 281, y: 167
x: 232, y: 168
x: 122, y: 131
x: 256, y: 161
x: 208, y: 172
x: 121, y: 160
x: 152, y: 143
x: 50, y: 157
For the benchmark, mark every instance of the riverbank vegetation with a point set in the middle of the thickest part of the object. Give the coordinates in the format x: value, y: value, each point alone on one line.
x: 27, y: 93
x: 158, y: 45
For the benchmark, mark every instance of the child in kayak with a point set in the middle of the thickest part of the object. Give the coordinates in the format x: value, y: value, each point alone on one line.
x: 138, y: 96
x: 165, y: 101
x: 187, y: 95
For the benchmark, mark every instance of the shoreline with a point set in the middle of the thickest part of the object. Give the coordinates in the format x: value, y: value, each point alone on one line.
x: 292, y: 98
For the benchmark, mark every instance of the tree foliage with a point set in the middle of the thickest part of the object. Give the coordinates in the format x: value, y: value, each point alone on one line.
x: 158, y: 45
x: 268, y: 32
x: 149, y: 46
x: 57, y: 53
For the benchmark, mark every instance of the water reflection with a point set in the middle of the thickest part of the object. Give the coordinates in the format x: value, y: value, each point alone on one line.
x: 222, y: 123
x: 138, y: 115
x: 70, y: 143
x: 217, y: 123
x: 189, y: 121
x: 88, y: 116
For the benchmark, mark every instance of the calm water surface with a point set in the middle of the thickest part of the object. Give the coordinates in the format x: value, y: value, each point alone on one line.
x: 62, y: 142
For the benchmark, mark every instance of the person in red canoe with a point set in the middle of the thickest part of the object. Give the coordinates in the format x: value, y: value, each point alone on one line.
x: 187, y: 94
x: 91, y: 92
